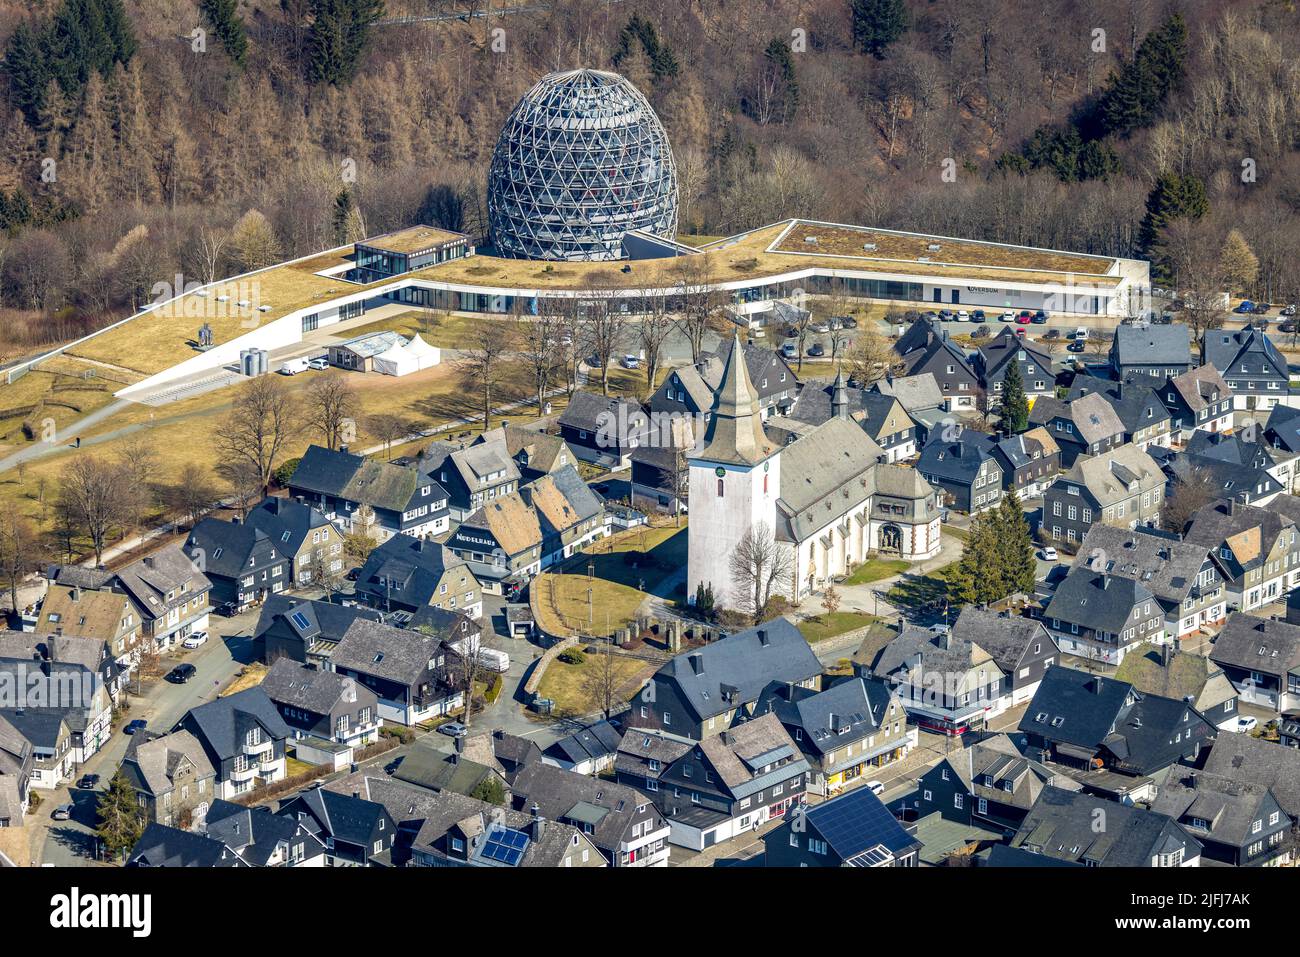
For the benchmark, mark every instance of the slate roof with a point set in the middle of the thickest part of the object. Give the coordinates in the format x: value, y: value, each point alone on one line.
x: 814, y: 469
x: 1087, y: 706
x: 1283, y: 427
x: 226, y: 547
x: 541, y: 452
x: 1108, y: 475
x: 955, y: 459
x: 1017, y: 451
x: 1247, y: 531
x: 255, y: 833
x: 344, y: 475
x: 1062, y: 825
x: 1265, y: 645
x: 557, y: 793
x: 745, y: 661
x: 474, y: 465
x: 735, y: 755
x: 1150, y: 344
x: 1201, y: 386
x: 987, y: 766
x: 592, y: 413
x: 847, y: 711
x: 417, y: 564
x: 152, y: 760
x: 313, y: 690
x: 1228, y: 805
x: 1093, y: 417
x: 596, y: 741
x: 1004, y: 347
x: 1134, y: 402
x: 914, y: 392
x: 40, y: 726
x: 1165, y: 566
x: 916, y: 652
x: 325, y: 621
x: 343, y: 817
x: 1005, y: 638
x: 287, y: 522
x: 151, y: 578
x: 1257, y: 761
x: 396, y: 654
x: 639, y: 746
x: 221, y: 724
x: 163, y: 846
x: 1227, y: 350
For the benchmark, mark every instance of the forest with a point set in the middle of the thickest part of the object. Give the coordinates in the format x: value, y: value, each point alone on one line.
x: 145, y: 140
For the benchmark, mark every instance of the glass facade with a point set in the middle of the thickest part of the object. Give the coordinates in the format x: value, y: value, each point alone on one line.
x: 582, y: 160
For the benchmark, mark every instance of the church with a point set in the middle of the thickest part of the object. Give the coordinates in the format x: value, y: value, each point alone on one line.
x: 827, y: 498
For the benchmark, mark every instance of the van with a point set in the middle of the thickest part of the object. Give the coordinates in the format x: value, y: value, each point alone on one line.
x: 494, y: 660
x: 294, y: 366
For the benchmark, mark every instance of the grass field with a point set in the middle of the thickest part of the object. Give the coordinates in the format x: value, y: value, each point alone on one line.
x: 571, y: 686
x: 921, y: 592
x: 877, y: 569
x: 828, y: 626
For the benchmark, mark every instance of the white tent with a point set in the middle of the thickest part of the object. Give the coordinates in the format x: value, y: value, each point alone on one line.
x: 395, y: 360
x: 425, y: 355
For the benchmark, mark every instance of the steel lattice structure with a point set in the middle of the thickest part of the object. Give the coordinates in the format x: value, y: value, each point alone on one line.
x: 582, y: 159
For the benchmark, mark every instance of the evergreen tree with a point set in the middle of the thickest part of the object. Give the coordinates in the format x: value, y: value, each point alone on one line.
x: 121, y: 820
x: 223, y: 17
x: 340, y: 32
x: 1015, y: 404
x: 1134, y: 97
x: 877, y: 24
x: 28, y: 72
x: 342, y: 214
x: 781, y: 60
x: 640, y: 31
x: 1015, y: 547
x: 1174, y: 196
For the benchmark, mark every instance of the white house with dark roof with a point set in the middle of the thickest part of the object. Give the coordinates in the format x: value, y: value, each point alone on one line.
x: 826, y: 499
x: 1256, y: 372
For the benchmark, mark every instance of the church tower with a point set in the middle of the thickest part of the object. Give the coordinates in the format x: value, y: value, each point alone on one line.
x: 735, y: 480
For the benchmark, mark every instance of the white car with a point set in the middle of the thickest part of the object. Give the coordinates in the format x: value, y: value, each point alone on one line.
x: 631, y: 362
x: 1049, y: 554
x: 963, y: 315
x: 1080, y: 334
x: 1245, y: 725
x: 1007, y: 317
x: 195, y: 640
x: 318, y: 363
x: 875, y: 787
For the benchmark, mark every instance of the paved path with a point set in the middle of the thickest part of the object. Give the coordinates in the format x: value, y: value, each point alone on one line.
x: 42, y: 449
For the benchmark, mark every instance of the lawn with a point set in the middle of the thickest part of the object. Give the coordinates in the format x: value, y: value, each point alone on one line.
x: 564, y: 603
x: 830, y: 625
x: 919, y: 593
x: 573, y: 687
x: 875, y: 569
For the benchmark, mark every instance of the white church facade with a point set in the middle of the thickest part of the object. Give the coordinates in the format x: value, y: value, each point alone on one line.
x: 828, y: 499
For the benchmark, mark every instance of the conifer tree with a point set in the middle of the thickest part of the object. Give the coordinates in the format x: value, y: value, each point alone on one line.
x: 877, y: 24
x: 223, y: 17
x: 121, y: 821
x: 1174, y: 196
x: 1015, y: 404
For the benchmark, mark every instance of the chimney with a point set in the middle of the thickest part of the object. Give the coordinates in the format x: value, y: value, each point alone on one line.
x: 499, y: 734
x: 697, y: 663
x: 343, y: 447
x: 537, y: 826
x: 1166, y: 652
x: 460, y: 749
x: 356, y: 794
x: 76, y: 593
x: 1095, y: 685
x: 148, y: 561
x: 763, y: 638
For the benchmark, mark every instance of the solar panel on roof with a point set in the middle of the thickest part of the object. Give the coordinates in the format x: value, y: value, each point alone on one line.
x: 505, y: 846
x: 299, y: 619
x: 857, y: 822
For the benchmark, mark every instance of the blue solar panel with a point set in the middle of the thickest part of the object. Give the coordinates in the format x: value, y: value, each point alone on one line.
x: 300, y: 619
x: 857, y: 821
x: 505, y: 845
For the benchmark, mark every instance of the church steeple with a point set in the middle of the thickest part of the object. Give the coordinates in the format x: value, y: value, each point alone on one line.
x: 735, y: 434
x: 839, y: 396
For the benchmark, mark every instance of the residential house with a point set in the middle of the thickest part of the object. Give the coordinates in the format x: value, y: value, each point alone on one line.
x: 356, y: 832
x: 446, y: 829
x: 107, y: 615
x: 1261, y: 657
x: 925, y: 348
x: 844, y: 732
x: 535, y: 453
x: 77, y: 678
x: 1249, y: 450
x: 601, y: 429
x: 473, y: 476
x: 1123, y: 487
x: 962, y: 463
x: 1145, y: 418
x: 881, y: 416
x: 436, y: 771
x: 1020, y: 646
x: 700, y: 693
x: 302, y: 629
x: 1100, y: 616
x: 365, y: 495
x: 589, y: 750
x: 626, y: 826
x: 570, y: 513
x: 407, y: 670
x: 1087, y: 721
x: 172, y: 776
x: 1087, y: 425
x: 1282, y: 430
x: 1238, y: 823
x: 732, y: 782
x: 990, y: 784
x: 1063, y: 825
x: 1198, y: 399
x: 1154, y: 352
x: 240, y: 560
x: 309, y: 540
x: 412, y: 573
x: 1030, y: 462
x: 994, y: 359
x: 243, y: 737
x: 49, y: 741
x: 1181, y: 575
x: 1255, y: 371
x: 851, y: 830
x: 1259, y: 761
x: 163, y: 846
x: 172, y: 595
x: 323, y: 704
x: 920, y: 397
x: 1247, y: 484
x: 17, y: 759
x: 263, y: 839
x: 644, y: 753
x: 945, y: 682
x: 1255, y: 549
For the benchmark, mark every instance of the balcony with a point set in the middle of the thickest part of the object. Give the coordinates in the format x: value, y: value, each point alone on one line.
x: 255, y: 750
x: 247, y: 774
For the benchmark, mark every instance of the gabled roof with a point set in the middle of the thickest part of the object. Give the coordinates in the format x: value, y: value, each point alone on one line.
x: 993, y: 355
x: 1114, y: 476
x: 152, y: 761
x: 1227, y: 805
x: 745, y: 662
x: 438, y: 771
x: 1135, y: 402
x: 1254, y: 760
x: 255, y: 833
x: 1201, y: 386
x: 1248, y: 532
x: 510, y: 521
x: 396, y: 654
x: 602, y: 414
x: 539, y: 451
x: 411, y: 567
x: 1005, y: 637
x: 313, y: 690
x: 814, y: 470
x: 355, y: 478
x: 1097, y: 600
x: 89, y: 614
x: 829, y: 719
x: 344, y: 817
x: 1024, y: 448
x: 740, y: 755
x: 917, y: 652
x: 1228, y: 351
x: 1074, y: 707
x: 167, y: 571
x: 310, y: 619
x: 596, y: 741
x: 1176, y: 674
x: 916, y: 392
x: 225, y: 548
x: 163, y: 846
x: 854, y: 823
x: 221, y: 724
x: 1062, y: 825
x: 1093, y: 417
x: 1266, y: 645
x: 287, y: 522
x: 1150, y: 344
x: 1164, y: 565
x: 955, y: 458
x: 609, y: 808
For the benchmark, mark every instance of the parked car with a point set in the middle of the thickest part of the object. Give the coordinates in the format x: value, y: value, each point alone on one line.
x: 1052, y: 334
x: 453, y: 729
x: 318, y: 363
x: 963, y: 315
x: 875, y: 787
x: 834, y: 323
x: 1039, y: 318
x: 631, y: 362
x: 181, y: 673
x: 820, y: 327
x: 1023, y: 319
x: 62, y: 813
x: 849, y: 322
x: 88, y: 782
x: 816, y: 349
x: 139, y: 724
x: 1007, y: 317
x: 1246, y: 307
x: 945, y: 315
x: 1075, y: 346
x: 1246, y: 724
x: 978, y: 316
x: 1041, y: 314
x: 195, y: 639
x: 1261, y: 308
x: 1289, y: 310
x: 1049, y: 554
x: 790, y: 349
x: 1080, y: 334
x: 1287, y: 325
x: 980, y: 333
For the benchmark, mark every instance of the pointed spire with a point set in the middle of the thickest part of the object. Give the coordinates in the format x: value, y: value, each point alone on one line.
x: 735, y: 432
x: 839, y: 396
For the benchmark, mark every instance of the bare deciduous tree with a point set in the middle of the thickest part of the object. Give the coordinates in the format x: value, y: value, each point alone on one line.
x: 602, y: 324
x: 602, y: 680
x: 193, y: 494
x: 870, y: 358
x: 758, y: 564
x: 259, y: 426
x: 1191, y: 492
x: 92, y: 495
x: 656, y: 325
x: 541, y: 349
x: 331, y: 408
x: 483, y: 364
x: 21, y: 552
x: 388, y: 428
x: 701, y: 302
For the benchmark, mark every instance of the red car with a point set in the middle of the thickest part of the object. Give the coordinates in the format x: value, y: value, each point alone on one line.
x: 1023, y: 319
